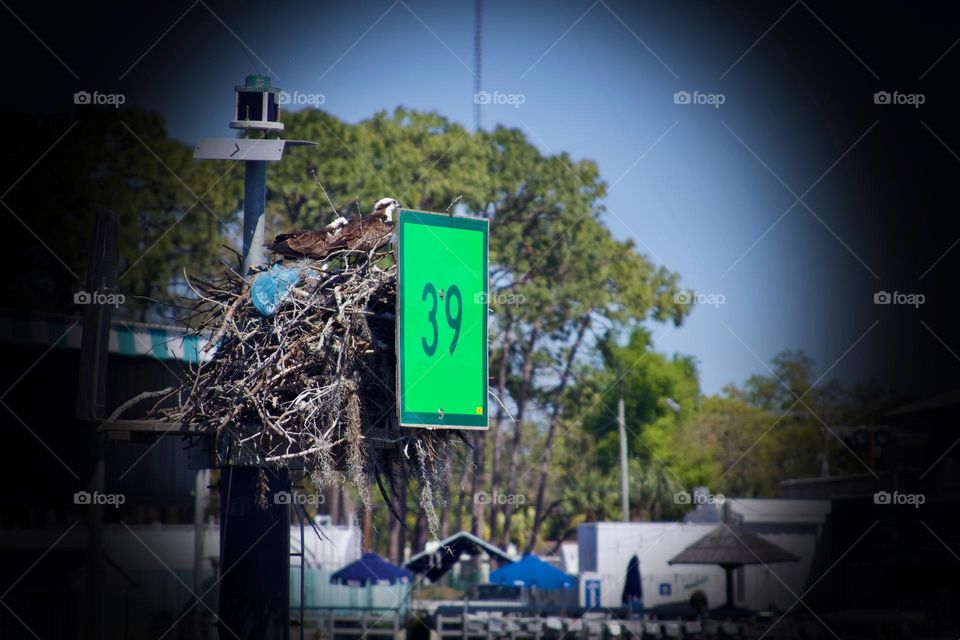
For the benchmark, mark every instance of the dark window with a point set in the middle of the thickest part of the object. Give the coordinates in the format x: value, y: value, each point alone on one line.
x: 250, y: 105
x: 272, y: 108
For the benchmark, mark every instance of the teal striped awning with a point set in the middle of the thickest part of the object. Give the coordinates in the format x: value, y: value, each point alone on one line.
x: 134, y: 339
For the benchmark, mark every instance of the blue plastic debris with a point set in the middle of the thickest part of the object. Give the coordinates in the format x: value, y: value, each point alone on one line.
x: 271, y: 288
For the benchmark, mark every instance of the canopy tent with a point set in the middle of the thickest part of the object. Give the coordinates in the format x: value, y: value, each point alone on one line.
x: 732, y: 546
x: 531, y: 571
x: 436, y: 562
x: 370, y: 569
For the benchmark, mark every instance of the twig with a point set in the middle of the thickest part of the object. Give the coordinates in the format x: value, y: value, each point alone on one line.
x: 137, y: 399
x: 313, y: 173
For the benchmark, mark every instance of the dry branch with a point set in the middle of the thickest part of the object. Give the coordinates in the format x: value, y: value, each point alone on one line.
x: 318, y: 377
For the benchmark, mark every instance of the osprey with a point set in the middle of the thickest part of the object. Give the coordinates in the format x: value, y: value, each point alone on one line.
x: 362, y: 235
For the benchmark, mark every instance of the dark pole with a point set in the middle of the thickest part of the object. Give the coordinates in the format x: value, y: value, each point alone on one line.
x: 254, y: 555
x: 254, y: 540
x: 729, y: 570
x: 254, y: 205
x: 91, y: 399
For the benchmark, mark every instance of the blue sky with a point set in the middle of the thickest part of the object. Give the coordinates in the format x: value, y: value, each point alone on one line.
x: 597, y: 81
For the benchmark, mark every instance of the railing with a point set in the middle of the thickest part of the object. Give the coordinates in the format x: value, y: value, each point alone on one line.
x: 337, y: 625
x: 320, y: 595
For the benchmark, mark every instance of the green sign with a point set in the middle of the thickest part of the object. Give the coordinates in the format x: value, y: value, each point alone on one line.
x: 442, y: 320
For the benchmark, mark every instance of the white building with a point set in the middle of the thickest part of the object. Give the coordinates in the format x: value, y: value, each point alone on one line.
x: 148, y: 547
x: 335, y: 547
x: 605, y: 549
x: 793, y: 525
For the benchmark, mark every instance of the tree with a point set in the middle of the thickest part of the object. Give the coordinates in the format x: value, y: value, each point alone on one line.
x: 169, y: 206
x: 728, y: 435
x: 421, y: 159
x: 549, y: 249
x: 659, y: 393
x: 558, y: 275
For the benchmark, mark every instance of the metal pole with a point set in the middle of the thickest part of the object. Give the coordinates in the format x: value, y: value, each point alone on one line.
x: 254, y: 205
x: 199, y: 511
x: 477, y: 60
x: 254, y: 556
x: 729, y: 571
x: 624, y: 477
x: 303, y: 563
x: 91, y: 399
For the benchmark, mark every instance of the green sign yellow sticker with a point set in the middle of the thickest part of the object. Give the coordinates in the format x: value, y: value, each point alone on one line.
x: 442, y: 320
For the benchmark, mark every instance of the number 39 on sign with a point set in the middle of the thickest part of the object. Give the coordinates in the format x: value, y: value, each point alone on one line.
x: 442, y: 320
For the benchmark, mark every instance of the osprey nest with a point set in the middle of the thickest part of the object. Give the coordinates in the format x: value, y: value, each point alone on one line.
x: 311, y: 381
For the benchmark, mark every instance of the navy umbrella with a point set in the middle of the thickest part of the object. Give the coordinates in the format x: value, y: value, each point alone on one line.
x: 371, y: 568
x: 632, y: 588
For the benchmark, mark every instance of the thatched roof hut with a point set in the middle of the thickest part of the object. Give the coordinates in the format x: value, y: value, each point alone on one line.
x: 732, y: 546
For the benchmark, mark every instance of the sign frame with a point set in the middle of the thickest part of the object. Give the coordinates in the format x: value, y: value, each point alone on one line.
x: 433, y: 420
x: 256, y: 149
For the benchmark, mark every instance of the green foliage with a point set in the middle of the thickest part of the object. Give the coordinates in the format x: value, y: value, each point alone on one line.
x: 556, y: 269
x: 727, y: 435
x: 570, y: 312
x: 548, y: 243
x: 650, y: 383
x: 660, y: 393
x: 777, y: 427
x: 172, y: 211
x: 421, y: 159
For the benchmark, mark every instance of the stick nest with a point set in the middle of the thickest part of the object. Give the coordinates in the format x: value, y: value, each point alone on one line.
x: 316, y: 382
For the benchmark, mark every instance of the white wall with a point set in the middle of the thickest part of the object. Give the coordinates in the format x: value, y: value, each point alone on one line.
x: 605, y: 549
x: 173, y: 544
x: 761, y: 587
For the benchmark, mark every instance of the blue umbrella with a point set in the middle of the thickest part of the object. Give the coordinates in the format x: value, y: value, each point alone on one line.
x: 531, y: 571
x: 371, y: 568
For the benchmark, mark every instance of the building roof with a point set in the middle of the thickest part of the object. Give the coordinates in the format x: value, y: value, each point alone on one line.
x: 437, y: 561
x: 948, y: 401
x: 777, y: 511
x: 732, y: 545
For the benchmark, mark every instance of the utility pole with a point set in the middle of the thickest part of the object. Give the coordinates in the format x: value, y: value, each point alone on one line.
x: 624, y: 474
x: 477, y: 60
x: 91, y: 399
